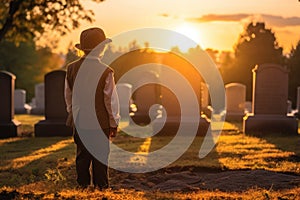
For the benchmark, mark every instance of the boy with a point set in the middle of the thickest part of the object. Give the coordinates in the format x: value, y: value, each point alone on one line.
x: 92, y: 43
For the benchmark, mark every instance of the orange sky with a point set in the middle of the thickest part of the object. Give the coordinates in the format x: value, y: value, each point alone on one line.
x: 213, y: 24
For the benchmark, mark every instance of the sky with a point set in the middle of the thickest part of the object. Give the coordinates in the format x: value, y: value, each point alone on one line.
x: 214, y: 24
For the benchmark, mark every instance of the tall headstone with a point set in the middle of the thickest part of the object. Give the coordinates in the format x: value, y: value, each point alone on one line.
x: 235, y: 101
x: 39, y: 99
x: 124, y: 91
x: 174, y: 118
x: 270, y: 94
x: 8, y: 125
x: 55, y: 107
x: 20, y: 101
x: 145, y: 96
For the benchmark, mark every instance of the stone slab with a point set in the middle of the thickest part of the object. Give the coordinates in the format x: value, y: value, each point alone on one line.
x: 9, y: 129
x: 234, y: 117
x: 49, y: 128
x: 171, y: 126
x: 270, y: 124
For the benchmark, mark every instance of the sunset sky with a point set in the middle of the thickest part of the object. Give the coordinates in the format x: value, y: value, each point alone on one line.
x: 213, y: 24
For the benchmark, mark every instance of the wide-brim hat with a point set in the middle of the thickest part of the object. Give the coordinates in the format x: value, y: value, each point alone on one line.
x: 91, y: 38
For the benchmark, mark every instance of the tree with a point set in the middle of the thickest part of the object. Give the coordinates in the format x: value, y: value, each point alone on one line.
x: 257, y: 45
x: 21, y: 20
x: 225, y: 66
x: 71, y: 55
x: 28, y: 63
x: 213, y: 55
x: 293, y: 64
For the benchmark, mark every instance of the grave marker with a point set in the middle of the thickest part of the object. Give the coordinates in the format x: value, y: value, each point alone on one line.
x: 235, y: 101
x: 269, y: 102
x: 55, y: 107
x: 8, y: 125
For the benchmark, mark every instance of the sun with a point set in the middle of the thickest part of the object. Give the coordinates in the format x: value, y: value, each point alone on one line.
x: 190, y: 31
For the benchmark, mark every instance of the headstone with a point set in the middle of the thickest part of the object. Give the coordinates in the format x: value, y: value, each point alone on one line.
x: 205, y: 100
x: 204, y: 95
x: 270, y: 93
x: 298, y: 99
x: 124, y: 91
x: 289, y: 106
x: 20, y: 102
x: 8, y: 125
x: 235, y: 101
x: 55, y: 107
x: 39, y: 100
x: 248, y: 107
x: 146, y: 96
x: 172, y: 106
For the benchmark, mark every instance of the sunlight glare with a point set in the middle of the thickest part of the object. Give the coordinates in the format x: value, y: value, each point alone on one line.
x: 189, y: 31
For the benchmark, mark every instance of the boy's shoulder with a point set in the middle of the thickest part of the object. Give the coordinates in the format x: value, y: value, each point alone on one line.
x: 74, y: 66
x: 74, y: 63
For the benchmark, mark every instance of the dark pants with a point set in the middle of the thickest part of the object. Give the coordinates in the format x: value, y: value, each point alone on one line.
x: 84, y: 160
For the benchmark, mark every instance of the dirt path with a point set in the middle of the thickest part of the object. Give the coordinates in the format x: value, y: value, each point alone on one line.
x: 182, y: 180
x: 185, y: 180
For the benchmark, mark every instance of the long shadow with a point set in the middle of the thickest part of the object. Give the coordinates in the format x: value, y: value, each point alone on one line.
x: 57, y: 169
x: 286, y: 143
x: 25, y: 146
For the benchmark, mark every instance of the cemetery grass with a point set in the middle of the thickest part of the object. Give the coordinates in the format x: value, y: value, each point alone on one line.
x: 44, y: 168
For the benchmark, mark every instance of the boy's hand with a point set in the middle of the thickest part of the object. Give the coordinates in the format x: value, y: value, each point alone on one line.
x: 113, y: 132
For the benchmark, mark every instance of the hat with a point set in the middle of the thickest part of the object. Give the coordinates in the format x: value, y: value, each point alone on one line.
x: 90, y: 38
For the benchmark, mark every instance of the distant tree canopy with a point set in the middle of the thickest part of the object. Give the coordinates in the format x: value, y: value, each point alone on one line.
x: 71, y: 55
x: 293, y: 63
x: 21, y: 20
x: 28, y: 63
x: 257, y: 45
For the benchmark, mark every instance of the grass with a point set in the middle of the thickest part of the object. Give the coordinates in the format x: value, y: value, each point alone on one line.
x: 44, y: 167
x: 28, y: 122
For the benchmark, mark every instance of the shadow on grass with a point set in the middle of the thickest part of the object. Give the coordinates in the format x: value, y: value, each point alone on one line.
x: 18, y: 147
x: 50, y: 161
x: 285, y: 143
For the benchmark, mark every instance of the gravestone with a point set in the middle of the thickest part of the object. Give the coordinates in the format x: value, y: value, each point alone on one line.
x: 172, y: 106
x: 235, y: 101
x: 205, y: 99
x: 8, y: 125
x: 39, y: 99
x: 248, y: 107
x: 298, y: 99
x: 124, y: 91
x: 270, y: 93
x: 20, y: 102
x: 55, y: 107
x: 297, y: 114
x: 289, y: 106
x: 145, y: 96
x: 204, y: 95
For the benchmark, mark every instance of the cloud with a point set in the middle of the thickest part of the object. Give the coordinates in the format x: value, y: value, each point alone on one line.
x: 216, y: 17
x: 164, y: 15
x: 271, y: 20
x: 281, y: 21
